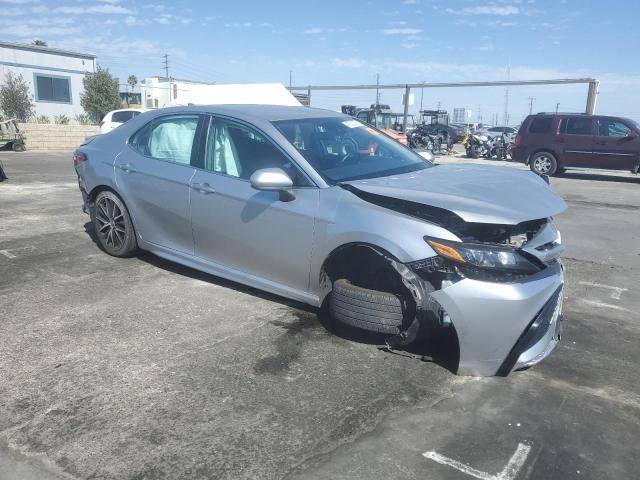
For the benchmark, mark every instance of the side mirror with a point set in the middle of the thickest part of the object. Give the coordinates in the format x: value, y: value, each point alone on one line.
x: 273, y: 180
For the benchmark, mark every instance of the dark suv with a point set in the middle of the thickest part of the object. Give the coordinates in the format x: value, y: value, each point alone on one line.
x: 551, y: 142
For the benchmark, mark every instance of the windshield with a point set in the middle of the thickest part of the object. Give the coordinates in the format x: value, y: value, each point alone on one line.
x: 343, y: 149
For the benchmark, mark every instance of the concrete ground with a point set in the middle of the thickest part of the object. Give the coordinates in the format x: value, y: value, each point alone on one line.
x: 143, y: 369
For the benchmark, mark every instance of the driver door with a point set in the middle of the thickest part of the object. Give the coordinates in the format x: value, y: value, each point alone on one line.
x: 253, y: 233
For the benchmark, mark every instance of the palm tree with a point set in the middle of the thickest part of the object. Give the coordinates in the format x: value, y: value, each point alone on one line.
x: 40, y: 43
x: 132, y: 81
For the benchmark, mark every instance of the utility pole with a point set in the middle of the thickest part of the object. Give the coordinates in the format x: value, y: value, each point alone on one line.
x: 421, y: 96
x: 557, y: 106
x: 506, y: 97
x: 166, y: 74
x: 290, y: 78
x: 531, y: 100
x: 377, y: 89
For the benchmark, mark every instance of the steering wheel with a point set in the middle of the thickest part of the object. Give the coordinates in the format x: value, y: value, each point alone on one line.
x: 349, y: 151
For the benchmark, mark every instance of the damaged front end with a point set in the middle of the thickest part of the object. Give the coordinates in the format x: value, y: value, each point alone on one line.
x: 499, y: 286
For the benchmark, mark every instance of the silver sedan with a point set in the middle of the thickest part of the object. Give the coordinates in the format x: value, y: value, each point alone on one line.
x: 315, y: 206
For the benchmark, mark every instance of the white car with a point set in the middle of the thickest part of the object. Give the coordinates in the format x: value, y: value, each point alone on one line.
x: 508, y: 132
x: 116, y: 118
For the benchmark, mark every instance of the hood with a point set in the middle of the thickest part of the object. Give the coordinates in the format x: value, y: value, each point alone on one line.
x: 476, y: 193
x: 397, y: 136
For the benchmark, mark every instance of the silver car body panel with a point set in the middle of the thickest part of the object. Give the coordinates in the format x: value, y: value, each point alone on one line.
x: 252, y: 237
x: 476, y: 193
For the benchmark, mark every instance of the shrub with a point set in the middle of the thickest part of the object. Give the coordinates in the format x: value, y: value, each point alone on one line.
x: 61, y: 120
x: 42, y: 119
x: 15, y: 99
x: 84, y: 119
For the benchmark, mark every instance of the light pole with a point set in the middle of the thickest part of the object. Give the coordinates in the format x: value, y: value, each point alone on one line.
x: 557, y: 106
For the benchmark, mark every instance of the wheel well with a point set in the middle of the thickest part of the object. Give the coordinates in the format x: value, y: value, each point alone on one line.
x: 100, y: 188
x: 365, y: 265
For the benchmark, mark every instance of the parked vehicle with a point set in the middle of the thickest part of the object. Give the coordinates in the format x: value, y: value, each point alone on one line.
x: 419, y: 139
x: 492, y: 132
x: 550, y: 143
x: 498, y: 147
x: 379, y: 116
x: 477, y: 146
x: 10, y: 136
x: 116, y: 118
x: 318, y: 207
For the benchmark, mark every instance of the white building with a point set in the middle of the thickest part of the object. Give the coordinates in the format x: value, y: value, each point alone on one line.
x: 54, y: 75
x: 158, y: 92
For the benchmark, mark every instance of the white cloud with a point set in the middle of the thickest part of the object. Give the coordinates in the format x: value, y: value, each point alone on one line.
x: 410, y: 2
x: 401, y: 31
x: 486, y: 10
x: 18, y: 2
x: 314, y: 31
x: 349, y: 62
x: 26, y: 31
x: 102, y: 9
x: 409, y: 45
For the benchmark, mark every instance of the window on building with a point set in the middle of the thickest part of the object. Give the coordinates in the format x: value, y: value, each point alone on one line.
x: 53, y: 89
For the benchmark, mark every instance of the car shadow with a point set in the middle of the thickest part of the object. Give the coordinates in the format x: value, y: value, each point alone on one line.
x: 440, y: 348
x: 598, y: 177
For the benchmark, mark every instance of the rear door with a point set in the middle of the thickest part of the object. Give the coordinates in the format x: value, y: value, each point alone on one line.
x: 154, y: 177
x: 616, y: 146
x: 575, y: 141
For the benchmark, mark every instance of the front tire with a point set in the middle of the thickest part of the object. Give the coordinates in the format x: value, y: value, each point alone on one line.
x: 366, y: 309
x: 543, y: 163
x: 113, y: 225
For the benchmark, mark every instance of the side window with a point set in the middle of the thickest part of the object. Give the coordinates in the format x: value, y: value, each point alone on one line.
x: 168, y: 138
x: 238, y: 151
x: 541, y: 125
x: 577, y: 126
x: 612, y: 128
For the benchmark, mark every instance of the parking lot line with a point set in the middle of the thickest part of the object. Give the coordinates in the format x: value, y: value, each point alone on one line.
x: 509, y: 472
x: 7, y: 254
x: 596, y: 303
x: 616, y: 292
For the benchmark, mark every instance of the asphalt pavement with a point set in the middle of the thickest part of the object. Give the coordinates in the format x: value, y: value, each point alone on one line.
x: 143, y: 369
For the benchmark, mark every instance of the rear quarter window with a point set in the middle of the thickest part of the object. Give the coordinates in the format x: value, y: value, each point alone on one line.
x: 541, y: 125
x: 122, y: 117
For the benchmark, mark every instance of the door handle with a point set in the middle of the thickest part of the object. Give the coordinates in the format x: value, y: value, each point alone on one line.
x: 203, y: 188
x: 128, y: 168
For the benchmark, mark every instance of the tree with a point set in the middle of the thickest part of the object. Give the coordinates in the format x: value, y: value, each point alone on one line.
x: 40, y: 43
x: 100, y: 94
x: 15, y: 98
x: 132, y: 81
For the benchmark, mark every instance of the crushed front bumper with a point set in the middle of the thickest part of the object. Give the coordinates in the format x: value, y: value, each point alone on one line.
x: 502, y: 327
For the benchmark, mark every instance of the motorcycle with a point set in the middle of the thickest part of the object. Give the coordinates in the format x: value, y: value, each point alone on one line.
x: 418, y: 138
x: 477, y: 146
x: 498, y: 147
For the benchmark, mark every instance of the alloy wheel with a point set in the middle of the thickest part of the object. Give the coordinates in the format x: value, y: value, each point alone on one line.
x: 542, y: 164
x: 111, y: 223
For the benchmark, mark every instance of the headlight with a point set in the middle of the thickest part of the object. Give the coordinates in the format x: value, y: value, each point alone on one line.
x: 472, y: 255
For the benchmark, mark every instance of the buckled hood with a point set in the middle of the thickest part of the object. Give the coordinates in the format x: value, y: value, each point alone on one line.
x: 476, y: 193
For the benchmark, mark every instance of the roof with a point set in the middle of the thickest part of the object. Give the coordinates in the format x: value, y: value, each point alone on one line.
x: 269, y: 113
x: 49, y: 50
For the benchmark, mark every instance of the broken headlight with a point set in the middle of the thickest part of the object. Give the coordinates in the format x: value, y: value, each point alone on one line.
x: 475, y: 260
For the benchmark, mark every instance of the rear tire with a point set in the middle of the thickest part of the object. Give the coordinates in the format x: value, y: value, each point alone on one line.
x: 367, y: 309
x: 113, y: 225
x: 474, y: 151
x: 543, y: 163
x: 18, y: 147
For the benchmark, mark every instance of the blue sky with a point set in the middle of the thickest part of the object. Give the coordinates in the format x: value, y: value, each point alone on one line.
x: 350, y: 41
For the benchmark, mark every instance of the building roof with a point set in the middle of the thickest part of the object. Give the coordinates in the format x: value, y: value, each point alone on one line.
x: 49, y: 50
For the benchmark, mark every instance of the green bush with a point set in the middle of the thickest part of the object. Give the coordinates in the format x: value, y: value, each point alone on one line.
x: 61, y: 120
x: 42, y: 119
x: 84, y: 119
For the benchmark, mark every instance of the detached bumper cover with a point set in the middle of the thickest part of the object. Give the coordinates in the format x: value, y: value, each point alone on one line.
x: 502, y: 327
